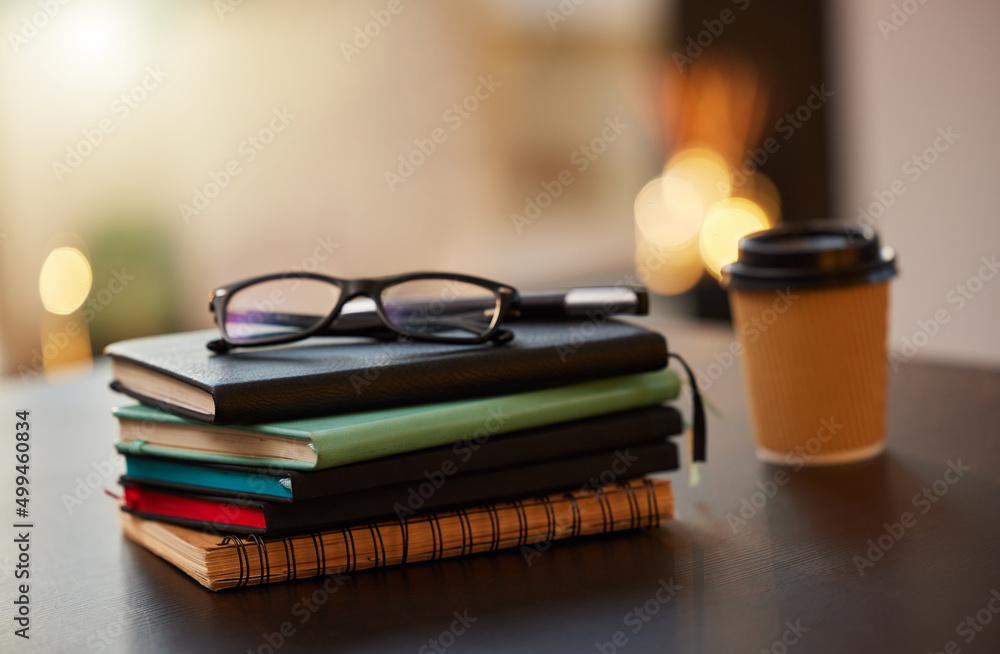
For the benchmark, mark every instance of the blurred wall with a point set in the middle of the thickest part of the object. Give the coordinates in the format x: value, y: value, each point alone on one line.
x: 187, y: 144
x: 917, y: 86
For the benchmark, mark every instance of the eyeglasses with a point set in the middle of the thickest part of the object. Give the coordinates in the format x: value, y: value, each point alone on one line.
x: 286, y: 307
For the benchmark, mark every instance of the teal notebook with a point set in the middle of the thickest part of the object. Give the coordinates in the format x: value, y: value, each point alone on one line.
x: 324, y: 442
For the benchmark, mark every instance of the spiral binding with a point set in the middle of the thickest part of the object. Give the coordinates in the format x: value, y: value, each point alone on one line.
x: 381, y: 552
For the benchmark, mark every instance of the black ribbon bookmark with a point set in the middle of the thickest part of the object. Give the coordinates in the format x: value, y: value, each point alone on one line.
x: 700, y: 447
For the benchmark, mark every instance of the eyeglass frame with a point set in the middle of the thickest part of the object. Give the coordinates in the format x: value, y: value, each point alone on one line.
x: 506, y: 296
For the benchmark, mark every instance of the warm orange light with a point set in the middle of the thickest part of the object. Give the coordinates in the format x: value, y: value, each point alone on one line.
x: 667, y: 271
x: 669, y: 211
x: 64, y: 343
x: 705, y: 170
x: 65, y: 280
x: 726, y: 223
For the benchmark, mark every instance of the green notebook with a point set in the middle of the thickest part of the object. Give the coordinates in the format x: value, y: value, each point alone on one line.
x: 324, y: 442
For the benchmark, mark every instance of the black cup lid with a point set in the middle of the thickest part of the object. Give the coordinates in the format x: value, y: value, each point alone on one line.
x: 810, y: 254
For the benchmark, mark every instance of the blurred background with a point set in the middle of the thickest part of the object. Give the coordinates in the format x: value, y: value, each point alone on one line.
x: 152, y: 150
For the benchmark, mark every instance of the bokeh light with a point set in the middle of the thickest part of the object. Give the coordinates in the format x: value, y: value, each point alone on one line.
x: 705, y: 170
x: 668, y: 271
x: 692, y: 217
x: 669, y: 211
x: 98, y: 33
x: 65, y: 280
x: 726, y: 223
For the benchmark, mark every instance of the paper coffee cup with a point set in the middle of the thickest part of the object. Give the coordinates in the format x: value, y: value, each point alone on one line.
x: 810, y: 310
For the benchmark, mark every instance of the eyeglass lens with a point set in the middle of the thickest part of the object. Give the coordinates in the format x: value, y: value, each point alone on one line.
x: 441, y: 307
x: 278, y: 307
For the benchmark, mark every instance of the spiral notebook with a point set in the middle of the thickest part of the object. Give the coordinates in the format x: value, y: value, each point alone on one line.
x: 218, y: 562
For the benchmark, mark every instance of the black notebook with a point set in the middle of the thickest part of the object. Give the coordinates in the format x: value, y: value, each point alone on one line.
x: 321, y: 376
x: 562, y: 440
x: 247, y: 516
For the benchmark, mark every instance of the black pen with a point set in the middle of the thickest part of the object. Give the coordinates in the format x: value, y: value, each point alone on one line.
x: 358, y: 315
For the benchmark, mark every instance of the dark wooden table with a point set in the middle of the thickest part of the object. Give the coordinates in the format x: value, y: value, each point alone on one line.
x: 789, y: 567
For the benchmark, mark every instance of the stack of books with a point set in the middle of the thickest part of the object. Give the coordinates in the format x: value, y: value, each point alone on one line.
x: 338, y: 454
